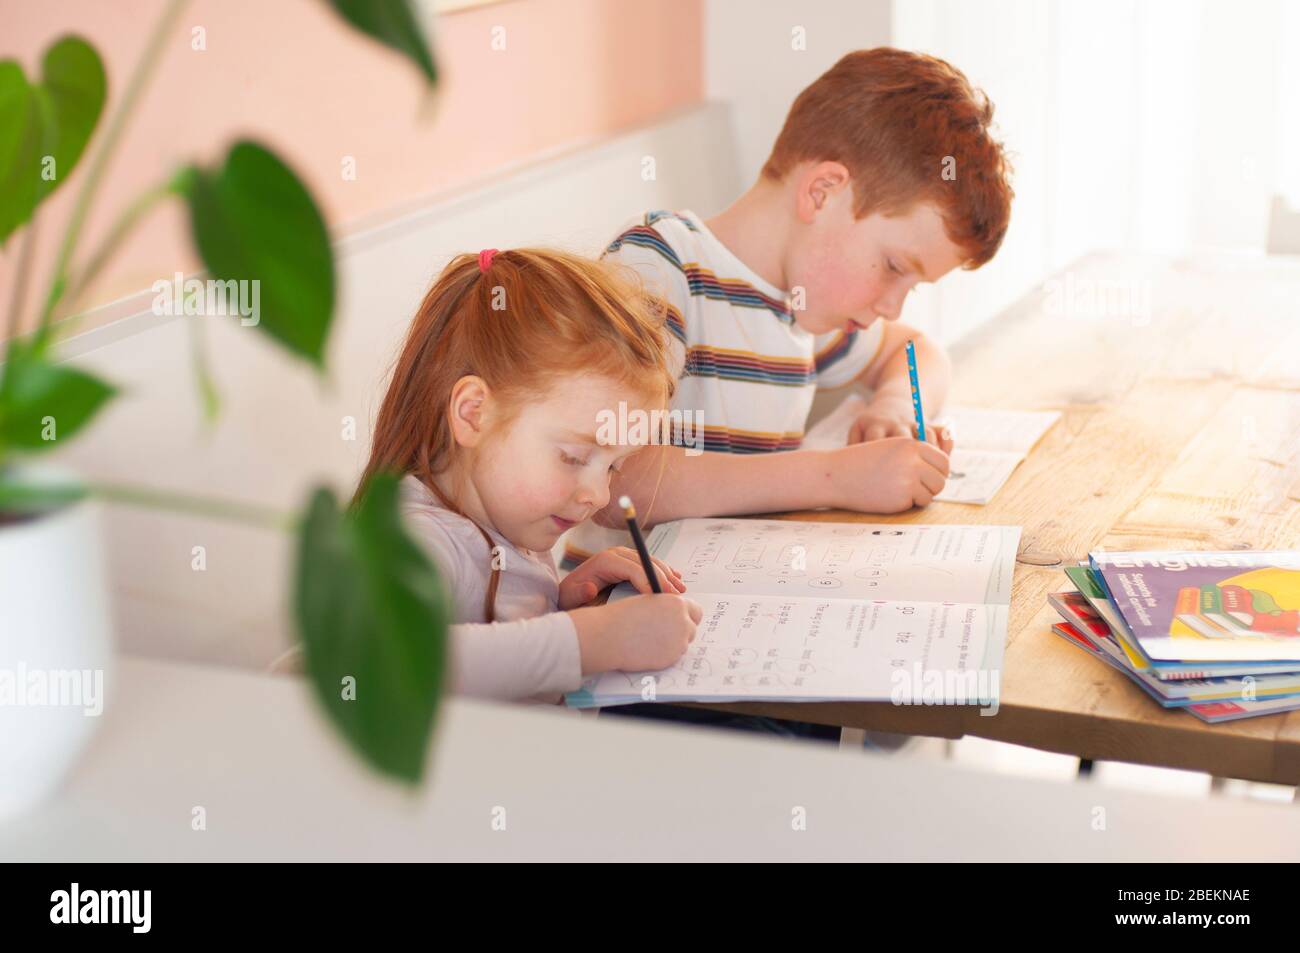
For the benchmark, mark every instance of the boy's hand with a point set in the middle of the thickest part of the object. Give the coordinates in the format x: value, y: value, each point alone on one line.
x: 887, y: 476
x: 881, y: 420
x: 639, y: 634
x: 610, y: 566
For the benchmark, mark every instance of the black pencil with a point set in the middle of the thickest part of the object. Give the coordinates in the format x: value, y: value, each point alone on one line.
x: 630, y: 512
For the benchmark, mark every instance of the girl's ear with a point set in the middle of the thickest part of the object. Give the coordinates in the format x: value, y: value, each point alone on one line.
x: 468, y: 409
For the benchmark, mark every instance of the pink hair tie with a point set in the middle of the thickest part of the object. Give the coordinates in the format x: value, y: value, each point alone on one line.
x: 485, y: 259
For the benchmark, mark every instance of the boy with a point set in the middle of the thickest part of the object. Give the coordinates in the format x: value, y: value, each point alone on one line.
x: 884, y: 175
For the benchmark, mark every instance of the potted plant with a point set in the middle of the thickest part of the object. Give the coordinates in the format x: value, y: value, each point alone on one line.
x: 369, y: 606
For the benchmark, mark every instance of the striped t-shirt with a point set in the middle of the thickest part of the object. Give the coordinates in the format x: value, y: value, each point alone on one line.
x: 746, y: 372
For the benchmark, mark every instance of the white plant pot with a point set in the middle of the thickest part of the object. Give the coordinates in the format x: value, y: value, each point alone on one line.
x: 55, y: 649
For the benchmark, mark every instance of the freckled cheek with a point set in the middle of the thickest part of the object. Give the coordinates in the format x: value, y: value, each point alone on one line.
x: 514, y: 496
x: 862, y: 291
x: 546, y: 493
x: 821, y: 290
x: 844, y: 291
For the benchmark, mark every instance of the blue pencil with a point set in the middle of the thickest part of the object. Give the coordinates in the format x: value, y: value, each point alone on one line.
x: 916, y: 391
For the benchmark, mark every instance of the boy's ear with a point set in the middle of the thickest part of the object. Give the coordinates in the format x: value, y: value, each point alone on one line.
x: 818, y: 184
x: 468, y: 410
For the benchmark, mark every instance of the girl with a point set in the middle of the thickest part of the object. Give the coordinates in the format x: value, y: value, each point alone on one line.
x: 494, y: 416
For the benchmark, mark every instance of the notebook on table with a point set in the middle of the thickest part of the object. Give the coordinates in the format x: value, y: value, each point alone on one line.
x: 813, y: 611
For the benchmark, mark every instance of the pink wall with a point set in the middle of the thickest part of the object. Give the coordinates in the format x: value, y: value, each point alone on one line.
x: 290, y: 73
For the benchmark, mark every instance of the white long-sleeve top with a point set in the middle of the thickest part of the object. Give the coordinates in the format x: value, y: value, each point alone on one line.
x: 531, y: 651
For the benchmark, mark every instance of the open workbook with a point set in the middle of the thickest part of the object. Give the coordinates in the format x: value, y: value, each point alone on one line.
x: 810, y: 611
x: 989, y: 444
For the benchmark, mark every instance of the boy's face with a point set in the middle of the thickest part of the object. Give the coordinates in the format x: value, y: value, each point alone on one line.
x: 551, y: 468
x: 854, y: 271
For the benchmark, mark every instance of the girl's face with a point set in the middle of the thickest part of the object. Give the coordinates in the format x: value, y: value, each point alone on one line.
x: 550, y: 469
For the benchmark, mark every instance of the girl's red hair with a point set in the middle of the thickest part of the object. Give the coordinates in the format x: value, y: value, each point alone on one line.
x: 532, y: 318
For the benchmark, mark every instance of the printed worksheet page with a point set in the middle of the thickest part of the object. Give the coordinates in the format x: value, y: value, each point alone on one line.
x: 808, y: 611
x: 841, y: 560
x: 765, y: 647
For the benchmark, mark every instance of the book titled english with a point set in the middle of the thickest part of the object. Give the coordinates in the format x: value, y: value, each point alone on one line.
x: 1192, y: 606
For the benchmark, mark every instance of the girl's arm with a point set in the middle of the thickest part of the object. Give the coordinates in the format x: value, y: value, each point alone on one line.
x: 508, y: 661
x: 550, y: 654
x: 499, y: 660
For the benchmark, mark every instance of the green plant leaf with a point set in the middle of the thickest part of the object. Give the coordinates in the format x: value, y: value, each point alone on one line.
x: 371, y: 607
x: 54, y: 118
x: 394, y: 24
x: 43, y: 404
x: 20, y: 148
x: 253, y: 220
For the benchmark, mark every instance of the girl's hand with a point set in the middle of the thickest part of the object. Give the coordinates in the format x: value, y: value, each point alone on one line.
x: 619, y: 564
x: 638, y: 634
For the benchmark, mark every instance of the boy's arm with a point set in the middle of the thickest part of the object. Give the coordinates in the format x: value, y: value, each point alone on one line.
x: 883, y: 476
x: 887, y: 377
x: 668, y: 483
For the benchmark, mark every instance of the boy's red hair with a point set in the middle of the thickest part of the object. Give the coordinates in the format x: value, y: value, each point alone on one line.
x: 898, y: 121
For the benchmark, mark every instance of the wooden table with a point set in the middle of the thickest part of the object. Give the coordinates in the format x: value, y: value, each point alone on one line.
x: 1180, y: 396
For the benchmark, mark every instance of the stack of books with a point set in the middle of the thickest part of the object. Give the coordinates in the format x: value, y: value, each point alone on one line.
x: 1216, y: 634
